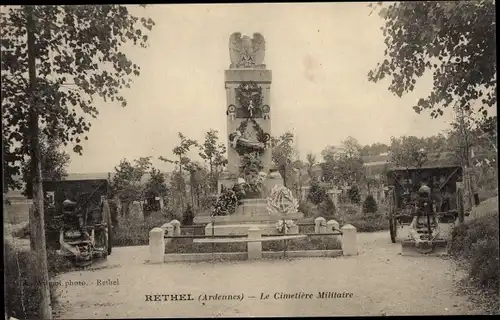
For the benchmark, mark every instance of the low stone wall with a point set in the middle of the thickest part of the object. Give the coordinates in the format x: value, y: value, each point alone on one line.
x: 157, y: 242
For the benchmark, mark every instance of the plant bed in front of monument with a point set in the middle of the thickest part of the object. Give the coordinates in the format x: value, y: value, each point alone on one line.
x: 186, y: 246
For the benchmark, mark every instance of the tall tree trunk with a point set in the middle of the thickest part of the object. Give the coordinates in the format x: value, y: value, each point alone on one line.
x: 37, y: 216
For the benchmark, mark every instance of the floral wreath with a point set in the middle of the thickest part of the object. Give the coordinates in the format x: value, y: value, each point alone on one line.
x: 249, y: 95
x: 262, y: 136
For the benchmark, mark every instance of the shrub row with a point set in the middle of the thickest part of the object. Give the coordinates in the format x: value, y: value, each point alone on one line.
x: 308, y: 243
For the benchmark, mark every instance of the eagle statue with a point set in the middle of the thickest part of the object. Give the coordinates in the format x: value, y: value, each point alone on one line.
x: 246, y: 52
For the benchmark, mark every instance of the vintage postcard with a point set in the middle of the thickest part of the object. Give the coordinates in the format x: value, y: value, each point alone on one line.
x: 235, y: 160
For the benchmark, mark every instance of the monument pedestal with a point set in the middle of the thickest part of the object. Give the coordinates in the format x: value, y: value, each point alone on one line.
x: 251, y: 213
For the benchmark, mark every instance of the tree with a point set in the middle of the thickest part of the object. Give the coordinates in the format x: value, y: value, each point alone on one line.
x: 198, y: 182
x: 284, y: 154
x: 156, y: 186
x: 343, y: 165
x: 374, y: 149
x: 181, y: 151
x: 311, y: 162
x: 54, y: 162
x: 126, y: 183
x: 407, y: 151
x: 455, y: 40
x: 214, y: 153
x: 61, y: 42
x: 78, y: 57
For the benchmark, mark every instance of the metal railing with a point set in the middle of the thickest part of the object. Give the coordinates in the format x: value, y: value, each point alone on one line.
x: 336, y: 232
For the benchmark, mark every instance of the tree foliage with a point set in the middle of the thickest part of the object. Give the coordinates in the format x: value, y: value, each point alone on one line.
x: 54, y: 162
x: 455, y: 40
x: 374, y: 149
x: 156, y: 185
x: 126, y: 183
x: 79, y: 56
x: 284, y: 155
x: 343, y: 165
x: 214, y: 153
x: 407, y: 151
x: 317, y: 193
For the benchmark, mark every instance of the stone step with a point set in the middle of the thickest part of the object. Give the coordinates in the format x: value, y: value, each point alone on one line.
x: 262, y: 201
x: 248, y: 218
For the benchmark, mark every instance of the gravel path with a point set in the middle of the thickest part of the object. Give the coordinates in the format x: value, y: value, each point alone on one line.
x: 381, y: 281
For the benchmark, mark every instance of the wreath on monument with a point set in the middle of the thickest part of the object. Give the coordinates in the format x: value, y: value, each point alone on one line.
x: 249, y: 95
x: 262, y: 137
x: 228, y: 200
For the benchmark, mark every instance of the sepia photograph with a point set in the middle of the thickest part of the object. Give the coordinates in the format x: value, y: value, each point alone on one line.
x: 250, y: 160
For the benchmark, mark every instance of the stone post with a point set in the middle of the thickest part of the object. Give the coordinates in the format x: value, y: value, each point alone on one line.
x: 320, y: 225
x: 294, y: 228
x: 349, y: 246
x: 333, y: 226
x: 254, y: 248
x: 177, y: 227
x: 156, y: 245
x: 168, y: 230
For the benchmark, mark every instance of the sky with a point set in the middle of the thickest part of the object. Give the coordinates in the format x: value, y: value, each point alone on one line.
x: 319, y: 54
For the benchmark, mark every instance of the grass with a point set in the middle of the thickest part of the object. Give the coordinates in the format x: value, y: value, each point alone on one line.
x: 308, y: 243
x: 475, y: 244
x: 22, y: 297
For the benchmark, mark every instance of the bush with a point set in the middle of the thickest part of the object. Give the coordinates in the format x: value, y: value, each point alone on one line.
x: 317, y: 194
x: 134, y: 231
x: 370, y: 222
x: 308, y: 209
x: 354, y: 195
x: 188, y: 216
x: 370, y: 205
x: 308, y: 243
x: 327, y: 208
x: 477, y: 243
x: 22, y: 295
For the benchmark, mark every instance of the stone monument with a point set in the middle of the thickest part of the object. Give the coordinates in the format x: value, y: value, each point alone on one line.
x: 248, y: 94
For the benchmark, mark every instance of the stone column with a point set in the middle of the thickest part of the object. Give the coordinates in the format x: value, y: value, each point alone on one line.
x: 254, y: 248
x: 177, y: 227
x: 349, y: 245
x: 320, y: 225
x: 156, y: 245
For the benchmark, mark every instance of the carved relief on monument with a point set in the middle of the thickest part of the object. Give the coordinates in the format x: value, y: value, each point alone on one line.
x: 249, y: 98
x: 246, y: 52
